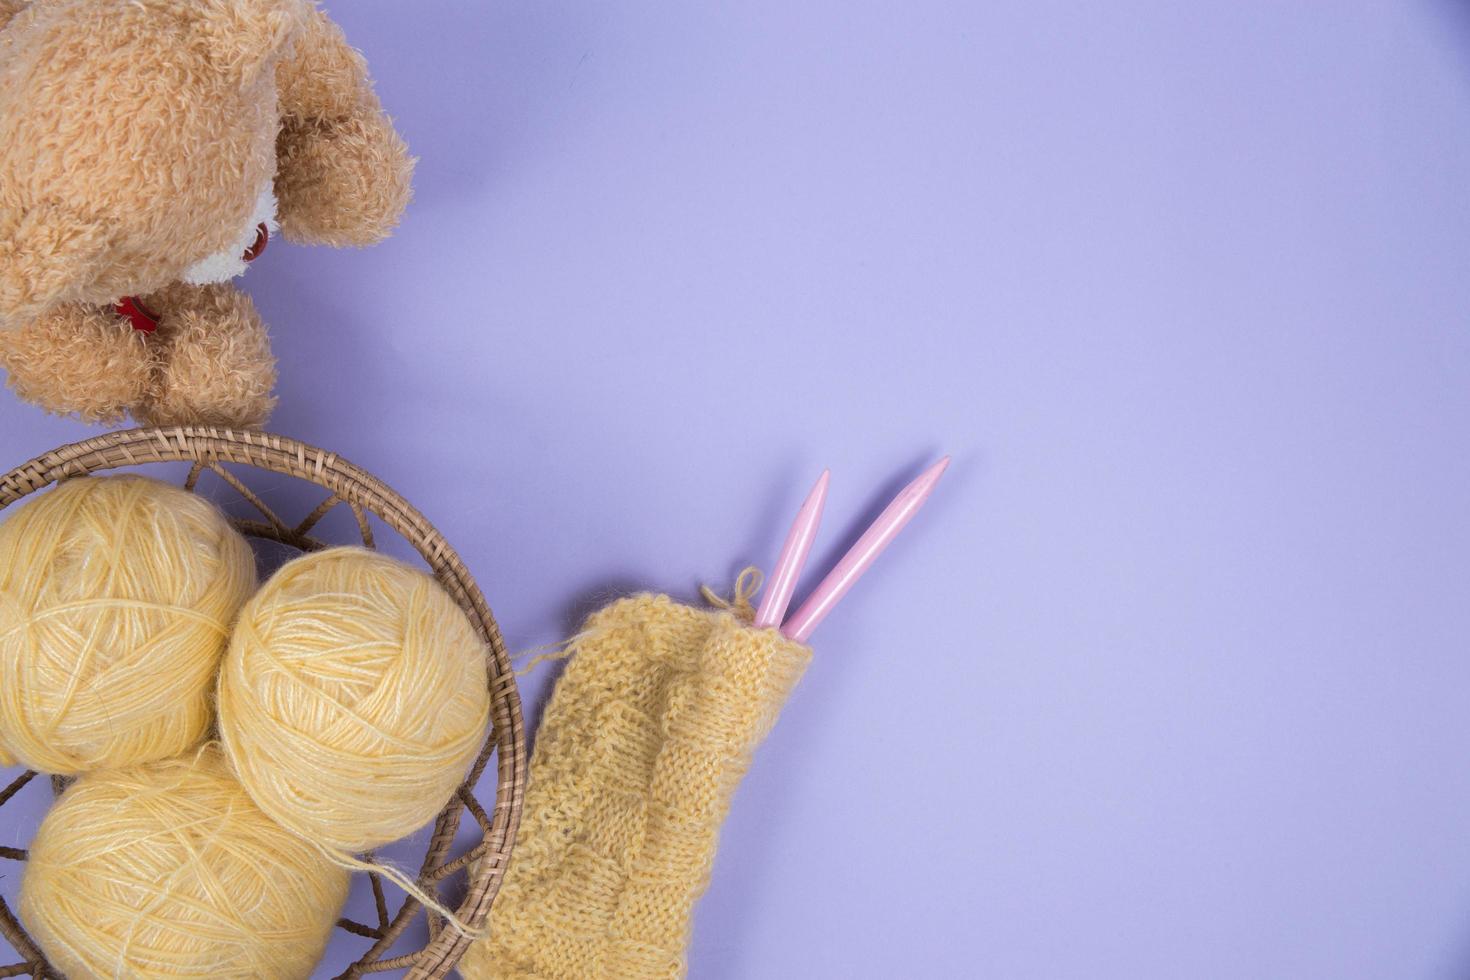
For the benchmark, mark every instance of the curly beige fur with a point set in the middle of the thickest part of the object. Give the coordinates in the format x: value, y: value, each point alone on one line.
x: 8, y: 9
x: 113, y: 183
x: 215, y: 365
x: 79, y: 360
x: 345, y: 175
x: 208, y: 364
x: 135, y: 140
x: 342, y: 183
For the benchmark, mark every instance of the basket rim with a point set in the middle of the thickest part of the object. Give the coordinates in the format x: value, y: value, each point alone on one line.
x: 210, y: 446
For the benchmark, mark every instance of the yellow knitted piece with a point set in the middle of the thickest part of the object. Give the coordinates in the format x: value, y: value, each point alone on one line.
x: 649, y: 732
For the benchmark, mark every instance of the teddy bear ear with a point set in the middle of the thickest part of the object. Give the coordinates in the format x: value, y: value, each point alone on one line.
x: 247, y: 37
x: 46, y: 256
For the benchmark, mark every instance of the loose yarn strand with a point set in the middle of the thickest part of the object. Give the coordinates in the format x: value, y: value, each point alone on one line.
x: 548, y: 653
x: 409, y: 886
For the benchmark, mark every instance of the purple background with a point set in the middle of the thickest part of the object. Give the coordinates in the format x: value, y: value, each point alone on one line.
x: 1171, y: 678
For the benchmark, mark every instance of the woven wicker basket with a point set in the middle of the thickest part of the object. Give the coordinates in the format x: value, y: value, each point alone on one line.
x: 209, y: 449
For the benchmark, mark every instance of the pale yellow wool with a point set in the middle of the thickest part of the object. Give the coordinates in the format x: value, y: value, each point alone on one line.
x: 116, y: 599
x: 650, y: 730
x: 353, y: 698
x: 169, y: 871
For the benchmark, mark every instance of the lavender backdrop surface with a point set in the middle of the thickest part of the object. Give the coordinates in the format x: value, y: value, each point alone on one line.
x: 1172, y: 677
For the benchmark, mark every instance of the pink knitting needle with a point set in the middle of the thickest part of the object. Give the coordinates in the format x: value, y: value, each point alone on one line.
x: 857, y: 561
x: 793, y: 556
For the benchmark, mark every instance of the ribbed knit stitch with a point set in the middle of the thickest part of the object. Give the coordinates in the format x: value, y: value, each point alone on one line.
x: 650, y: 730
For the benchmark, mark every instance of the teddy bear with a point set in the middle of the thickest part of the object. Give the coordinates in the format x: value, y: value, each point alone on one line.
x: 149, y: 151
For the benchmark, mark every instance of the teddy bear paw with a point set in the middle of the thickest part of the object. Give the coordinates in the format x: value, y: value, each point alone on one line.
x: 79, y: 360
x: 214, y: 365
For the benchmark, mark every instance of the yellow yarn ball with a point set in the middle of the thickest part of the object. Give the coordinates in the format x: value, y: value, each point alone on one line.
x: 353, y: 698
x: 116, y: 599
x: 168, y: 870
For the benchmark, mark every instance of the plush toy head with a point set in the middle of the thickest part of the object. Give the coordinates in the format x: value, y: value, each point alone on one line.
x: 150, y: 142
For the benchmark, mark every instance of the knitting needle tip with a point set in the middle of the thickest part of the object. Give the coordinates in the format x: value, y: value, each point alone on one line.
x: 793, y: 556
x: 862, y: 555
x: 925, y: 481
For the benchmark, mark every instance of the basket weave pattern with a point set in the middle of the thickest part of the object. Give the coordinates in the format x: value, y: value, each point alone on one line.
x: 208, y: 450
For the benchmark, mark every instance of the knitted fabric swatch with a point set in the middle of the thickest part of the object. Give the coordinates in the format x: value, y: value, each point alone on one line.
x: 648, y: 733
